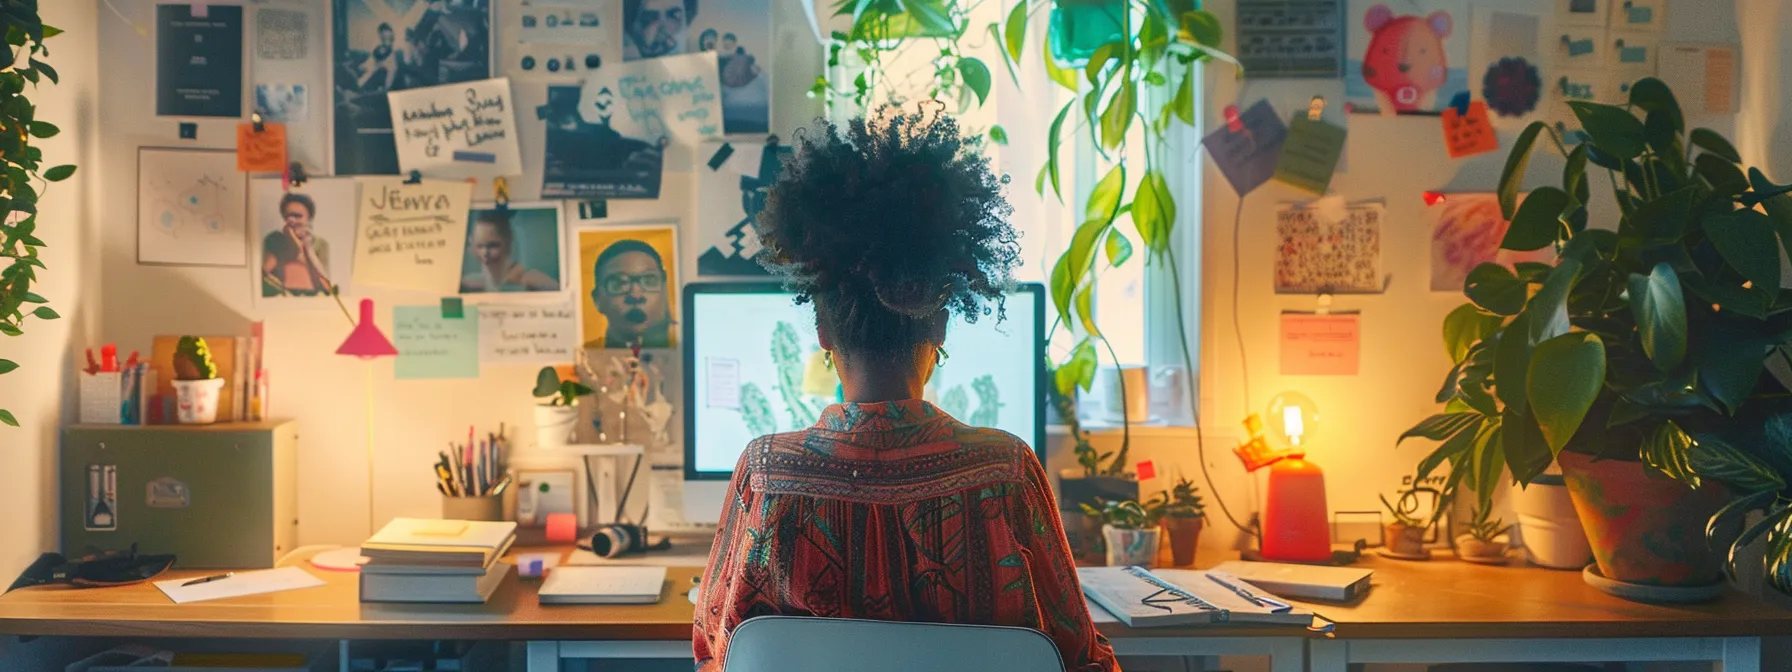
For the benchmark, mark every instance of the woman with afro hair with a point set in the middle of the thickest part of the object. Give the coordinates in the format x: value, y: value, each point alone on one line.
x: 888, y: 508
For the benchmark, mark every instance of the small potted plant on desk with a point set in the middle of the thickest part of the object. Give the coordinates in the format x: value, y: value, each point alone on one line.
x: 555, y: 420
x: 1404, y: 538
x: 1131, y: 531
x: 1485, y: 541
x: 1183, y: 516
x: 196, y: 382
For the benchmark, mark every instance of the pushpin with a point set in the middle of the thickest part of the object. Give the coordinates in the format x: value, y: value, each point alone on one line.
x: 1433, y: 198
x: 255, y: 121
x: 415, y: 178
x: 293, y: 176
x: 1460, y: 102
x: 1233, y: 123
x: 1315, y: 108
x: 501, y: 193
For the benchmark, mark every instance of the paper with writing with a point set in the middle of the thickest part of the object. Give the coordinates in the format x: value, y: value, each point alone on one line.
x: 411, y: 236
x: 724, y: 382
x: 675, y: 97
x: 238, y: 585
x: 261, y: 151
x: 1310, y: 154
x: 1248, y: 158
x: 1468, y: 134
x: 432, y: 346
x: 1702, y: 75
x: 1320, y: 345
x: 527, y: 334
x: 457, y: 130
x: 1317, y: 253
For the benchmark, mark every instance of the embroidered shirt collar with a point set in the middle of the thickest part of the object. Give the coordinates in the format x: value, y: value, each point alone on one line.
x: 881, y: 416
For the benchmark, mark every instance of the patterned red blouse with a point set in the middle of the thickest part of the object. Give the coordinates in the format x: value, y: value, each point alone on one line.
x: 894, y: 511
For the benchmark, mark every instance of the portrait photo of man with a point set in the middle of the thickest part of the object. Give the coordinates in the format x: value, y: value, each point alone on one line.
x: 630, y: 284
x: 655, y: 28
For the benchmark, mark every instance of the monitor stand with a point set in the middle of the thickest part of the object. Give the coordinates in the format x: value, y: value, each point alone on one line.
x: 703, y: 503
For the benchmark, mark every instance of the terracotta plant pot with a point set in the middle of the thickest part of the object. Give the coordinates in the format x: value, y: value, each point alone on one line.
x: 1644, y: 527
x: 1475, y: 550
x: 1185, y: 536
x: 1131, y: 547
x: 1403, y: 539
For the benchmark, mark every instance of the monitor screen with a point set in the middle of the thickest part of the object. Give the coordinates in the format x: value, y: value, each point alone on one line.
x: 754, y: 367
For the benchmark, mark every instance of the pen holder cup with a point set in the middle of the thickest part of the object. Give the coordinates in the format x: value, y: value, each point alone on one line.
x: 489, y: 507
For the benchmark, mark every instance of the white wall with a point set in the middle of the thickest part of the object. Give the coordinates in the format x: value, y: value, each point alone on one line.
x: 41, y: 392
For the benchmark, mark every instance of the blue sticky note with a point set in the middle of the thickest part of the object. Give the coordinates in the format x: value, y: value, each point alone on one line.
x: 1636, y: 14
x: 1580, y: 47
x: 1633, y: 54
x: 1248, y: 158
x: 433, y: 346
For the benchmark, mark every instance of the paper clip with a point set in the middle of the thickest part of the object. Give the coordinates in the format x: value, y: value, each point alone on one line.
x: 417, y: 177
x: 1233, y: 123
x: 501, y: 193
x: 1460, y: 102
x: 1315, y: 108
x: 255, y: 121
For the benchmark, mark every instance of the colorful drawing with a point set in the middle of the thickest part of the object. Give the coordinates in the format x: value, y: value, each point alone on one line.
x: 190, y: 207
x: 1466, y: 232
x: 1407, y: 62
x: 1316, y: 253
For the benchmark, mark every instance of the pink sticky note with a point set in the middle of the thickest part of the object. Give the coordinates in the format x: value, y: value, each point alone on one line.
x: 1320, y: 345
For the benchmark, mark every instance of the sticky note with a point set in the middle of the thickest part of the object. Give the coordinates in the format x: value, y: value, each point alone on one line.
x: 1633, y: 54
x: 432, y: 346
x: 1637, y: 14
x: 1310, y: 154
x: 1469, y: 134
x: 1247, y: 157
x: 1580, y: 47
x: 263, y: 152
x: 1320, y: 345
x: 818, y: 378
x: 452, y: 307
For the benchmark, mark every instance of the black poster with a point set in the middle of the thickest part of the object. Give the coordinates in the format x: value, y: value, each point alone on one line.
x: 199, y: 61
x: 392, y: 45
x: 586, y: 161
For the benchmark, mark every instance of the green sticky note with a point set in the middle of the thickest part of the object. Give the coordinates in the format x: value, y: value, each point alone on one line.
x: 431, y: 345
x: 1310, y: 154
x: 452, y: 308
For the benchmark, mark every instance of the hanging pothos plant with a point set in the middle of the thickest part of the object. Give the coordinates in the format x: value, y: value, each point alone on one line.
x: 883, y: 29
x: 19, y: 168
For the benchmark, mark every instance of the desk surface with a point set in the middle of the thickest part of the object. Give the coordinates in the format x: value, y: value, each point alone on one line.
x: 1437, y: 599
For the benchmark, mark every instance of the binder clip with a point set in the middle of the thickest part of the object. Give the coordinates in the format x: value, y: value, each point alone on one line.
x: 771, y: 141
x: 1233, y: 123
x: 1315, y: 108
x: 501, y: 194
x: 1460, y: 102
x: 256, y: 122
x: 415, y: 178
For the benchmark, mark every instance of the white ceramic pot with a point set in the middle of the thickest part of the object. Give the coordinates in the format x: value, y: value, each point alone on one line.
x: 1131, y: 547
x: 196, y: 401
x: 1548, y: 525
x: 554, y: 425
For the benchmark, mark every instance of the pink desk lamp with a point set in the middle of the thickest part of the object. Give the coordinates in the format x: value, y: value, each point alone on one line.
x: 1294, y: 509
x: 368, y: 343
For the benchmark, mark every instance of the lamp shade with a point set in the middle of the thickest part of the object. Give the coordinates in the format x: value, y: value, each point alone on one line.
x: 366, y: 341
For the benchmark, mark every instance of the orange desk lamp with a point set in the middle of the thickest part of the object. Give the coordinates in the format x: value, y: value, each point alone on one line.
x: 1294, y: 511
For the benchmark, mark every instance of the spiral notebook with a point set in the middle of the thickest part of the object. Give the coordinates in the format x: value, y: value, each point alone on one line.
x: 1141, y: 598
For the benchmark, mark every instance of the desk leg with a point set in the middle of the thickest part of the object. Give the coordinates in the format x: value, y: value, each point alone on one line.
x: 1328, y: 655
x: 543, y: 657
x: 1741, y: 654
x: 342, y: 659
x: 1288, y: 655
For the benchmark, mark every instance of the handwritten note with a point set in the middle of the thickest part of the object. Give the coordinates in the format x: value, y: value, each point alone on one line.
x: 1469, y: 134
x: 1320, y: 345
x: 676, y: 97
x: 724, y: 382
x: 1310, y: 154
x: 432, y: 346
x: 457, y: 130
x: 411, y: 236
x: 527, y: 334
x: 1703, y: 74
x: 260, y: 151
x: 1247, y: 157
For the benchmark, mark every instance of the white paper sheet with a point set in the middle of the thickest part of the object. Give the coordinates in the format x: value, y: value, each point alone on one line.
x: 243, y: 583
x: 527, y: 334
x: 676, y: 97
x: 457, y: 130
x: 412, y: 236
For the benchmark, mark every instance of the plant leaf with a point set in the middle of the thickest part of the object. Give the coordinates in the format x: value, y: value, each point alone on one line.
x: 1202, y: 28
x: 1119, y: 249
x: 1154, y: 212
x: 547, y: 383
x: 998, y: 135
x: 1465, y: 326
x: 1512, y: 176
x: 1745, y: 239
x: 1730, y: 362
x: 1548, y: 310
x: 1614, y: 130
x: 1511, y: 364
x: 1714, y: 458
x: 59, y: 173
x: 1085, y: 309
x: 1734, y: 509
x: 1104, y: 199
x: 1669, y: 450
x: 44, y: 129
x: 1662, y: 219
x: 1538, y: 222
x: 1184, y: 102
x: 6, y: 417
x: 1052, y: 143
x: 1527, y: 452
x: 45, y: 313
x: 1063, y: 76
x: 1118, y: 117
x: 976, y: 76
x: 1660, y: 310
x: 1458, y: 445
x: 1441, y: 426
x: 8, y: 366
x: 1711, y: 141
x: 1724, y: 177
x: 1771, y: 520
x: 1489, y: 461
x: 1564, y: 378
x: 1015, y: 33
x: 1651, y: 95
x: 1495, y: 289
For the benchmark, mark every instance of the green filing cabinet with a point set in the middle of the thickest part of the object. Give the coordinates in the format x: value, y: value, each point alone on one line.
x: 216, y: 496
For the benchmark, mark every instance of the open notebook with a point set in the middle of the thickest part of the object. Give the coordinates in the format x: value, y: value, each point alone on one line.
x: 1148, y: 598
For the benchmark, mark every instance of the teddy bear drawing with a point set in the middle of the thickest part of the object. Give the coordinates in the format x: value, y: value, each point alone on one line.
x: 1405, y: 63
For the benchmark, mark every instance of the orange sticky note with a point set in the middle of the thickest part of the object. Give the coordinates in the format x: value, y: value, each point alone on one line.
x: 1469, y: 134
x: 1320, y: 345
x: 261, y: 152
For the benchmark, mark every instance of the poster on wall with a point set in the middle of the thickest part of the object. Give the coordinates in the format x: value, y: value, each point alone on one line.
x: 1506, y: 68
x: 409, y: 236
x: 586, y: 159
x: 1317, y: 253
x: 676, y: 97
x: 731, y: 192
x: 457, y: 130
x: 515, y: 249
x: 305, y: 238
x: 1466, y: 231
x: 560, y: 40
x: 199, y: 60
x: 1406, y: 56
x: 392, y: 45
x: 658, y: 28
x: 190, y: 207
x: 740, y: 34
x: 628, y: 283
x: 1291, y: 38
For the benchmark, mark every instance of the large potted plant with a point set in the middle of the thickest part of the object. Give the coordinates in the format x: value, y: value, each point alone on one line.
x: 1632, y: 356
x: 19, y: 182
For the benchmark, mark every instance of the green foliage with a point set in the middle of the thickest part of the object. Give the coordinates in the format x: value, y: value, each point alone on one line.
x: 1648, y: 339
x: 193, y: 360
x: 1126, y: 515
x: 21, y: 163
x: 1182, y: 501
x: 564, y: 392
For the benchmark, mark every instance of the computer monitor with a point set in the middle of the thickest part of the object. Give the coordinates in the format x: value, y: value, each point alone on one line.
x: 753, y: 366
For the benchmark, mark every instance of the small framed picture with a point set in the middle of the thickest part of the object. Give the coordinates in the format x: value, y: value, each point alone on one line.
x: 513, y: 250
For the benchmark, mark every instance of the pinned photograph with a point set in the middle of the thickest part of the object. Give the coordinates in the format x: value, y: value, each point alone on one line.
x: 629, y: 286
x: 284, y: 103
x: 305, y: 237
x: 656, y: 28
x: 392, y: 45
x: 514, y: 249
x: 585, y: 159
x: 740, y: 34
x: 1406, y: 57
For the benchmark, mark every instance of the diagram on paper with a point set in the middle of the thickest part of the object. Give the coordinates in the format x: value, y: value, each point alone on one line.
x: 190, y: 208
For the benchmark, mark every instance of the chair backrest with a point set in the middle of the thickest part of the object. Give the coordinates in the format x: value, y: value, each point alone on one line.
x: 804, y: 644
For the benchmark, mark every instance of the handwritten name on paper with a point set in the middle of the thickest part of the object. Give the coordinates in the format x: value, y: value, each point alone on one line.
x: 459, y: 130
x: 432, y: 346
x: 527, y: 334
x: 676, y: 97
x: 410, y: 235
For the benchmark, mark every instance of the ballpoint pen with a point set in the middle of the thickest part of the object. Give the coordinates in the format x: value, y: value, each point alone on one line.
x: 1237, y: 588
x: 208, y: 579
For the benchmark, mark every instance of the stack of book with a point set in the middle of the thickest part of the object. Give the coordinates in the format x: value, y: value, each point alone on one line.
x: 435, y: 561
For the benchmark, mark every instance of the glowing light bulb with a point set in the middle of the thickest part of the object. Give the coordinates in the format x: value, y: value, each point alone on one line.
x: 1299, y: 420
x: 1292, y: 425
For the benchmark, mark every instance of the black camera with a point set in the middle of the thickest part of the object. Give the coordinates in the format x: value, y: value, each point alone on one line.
x: 619, y: 539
